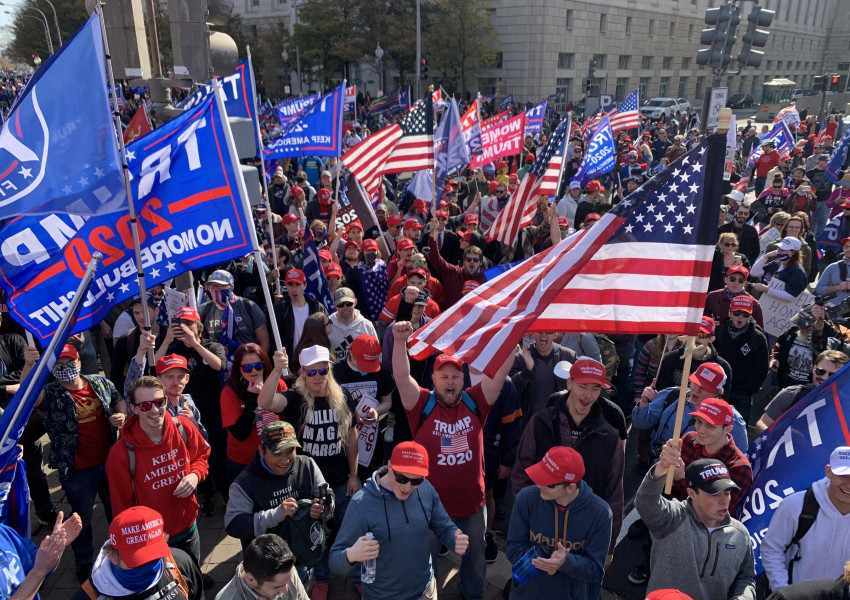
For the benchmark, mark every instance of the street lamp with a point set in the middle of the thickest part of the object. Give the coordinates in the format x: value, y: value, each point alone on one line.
x: 55, y: 18
x: 379, y: 54
x: 46, y: 31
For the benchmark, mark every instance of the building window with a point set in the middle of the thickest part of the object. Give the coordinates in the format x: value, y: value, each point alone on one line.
x: 620, y: 90
x: 497, y: 62
x: 667, y: 63
x: 491, y: 16
x: 698, y: 93
x: 624, y: 61
x: 686, y: 62
x: 672, y: 29
x: 643, y: 87
x: 565, y: 60
x: 646, y: 62
x: 652, y: 27
x: 255, y: 2
x: 799, y: 65
x: 599, y: 59
x: 487, y: 86
x: 690, y: 32
x: 779, y: 66
x: 603, y: 22
x: 683, y: 86
x: 628, y: 24
x: 597, y: 86
x: 563, y: 85
x: 569, y: 20
x: 769, y: 66
x: 788, y: 11
x: 664, y: 87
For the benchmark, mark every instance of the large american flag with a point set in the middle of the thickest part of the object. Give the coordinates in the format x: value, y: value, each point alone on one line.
x: 625, y: 115
x: 643, y: 268
x: 520, y: 209
x: 405, y: 146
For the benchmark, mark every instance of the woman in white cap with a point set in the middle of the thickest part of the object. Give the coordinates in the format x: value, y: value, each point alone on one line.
x: 784, y: 265
x: 797, y: 226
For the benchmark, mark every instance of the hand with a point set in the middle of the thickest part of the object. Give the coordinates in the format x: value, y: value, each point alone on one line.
x: 117, y: 419
x: 31, y: 356
x: 316, y: 509
x: 759, y: 287
x: 273, y: 275
x: 434, y: 232
x: 289, y: 507
x: 281, y: 361
x: 147, y: 341
x: 461, y: 542
x: 187, y: 336
x: 187, y: 486
x: 370, y: 415
x: 774, y: 365
x: 187, y: 413
x: 553, y: 563
x: 362, y: 550
x: 72, y: 527
x: 402, y: 331
x: 526, y: 357
x: 649, y: 393
x: 352, y: 486
x: 671, y: 456
x: 76, y: 340
x: 410, y: 294
x: 503, y: 472
x: 49, y: 554
x: 255, y: 387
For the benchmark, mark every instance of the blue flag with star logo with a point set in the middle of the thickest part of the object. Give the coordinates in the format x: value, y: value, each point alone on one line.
x: 190, y: 216
x: 601, y: 155
x: 792, y: 453
x: 315, y: 131
x: 58, y: 150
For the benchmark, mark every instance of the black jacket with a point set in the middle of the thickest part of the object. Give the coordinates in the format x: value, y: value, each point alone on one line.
x: 670, y: 369
x: 286, y: 320
x: 827, y: 589
x: 748, y: 351
x: 748, y: 239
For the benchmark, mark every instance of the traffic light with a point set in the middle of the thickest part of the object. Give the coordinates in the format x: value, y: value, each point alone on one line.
x: 586, y: 85
x: 833, y: 84
x: 817, y: 83
x: 592, y: 70
x: 720, y: 39
x: 754, y: 37
x: 423, y: 71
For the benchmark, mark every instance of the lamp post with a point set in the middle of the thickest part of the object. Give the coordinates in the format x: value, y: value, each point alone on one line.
x: 55, y: 22
x: 46, y: 31
x: 379, y: 54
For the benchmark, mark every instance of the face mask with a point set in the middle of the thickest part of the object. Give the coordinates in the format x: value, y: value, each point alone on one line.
x: 222, y: 297
x: 369, y: 260
x: 66, y: 373
x: 783, y: 257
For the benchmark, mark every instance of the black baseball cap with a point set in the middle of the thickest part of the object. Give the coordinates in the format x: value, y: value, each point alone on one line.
x: 709, y: 475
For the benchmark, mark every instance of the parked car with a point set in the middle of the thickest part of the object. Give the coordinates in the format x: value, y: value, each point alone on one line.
x: 740, y: 101
x: 656, y: 108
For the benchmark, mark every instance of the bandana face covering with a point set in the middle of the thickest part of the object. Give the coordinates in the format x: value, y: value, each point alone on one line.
x: 369, y: 260
x: 66, y: 373
x: 222, y: 298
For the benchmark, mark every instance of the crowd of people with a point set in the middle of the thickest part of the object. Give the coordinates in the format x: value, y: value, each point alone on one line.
x: 340, y: 454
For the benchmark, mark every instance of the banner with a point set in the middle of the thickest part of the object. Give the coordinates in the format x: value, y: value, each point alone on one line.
x: 836, y: 230
x: 782, y: 138
x: 534, y: 118
x: 317, y: 284
x: 501, y: 140
x: 601, y: 154
x: 450, y: 152
x: 495, y: 120
x: 777, y: 313
x: 316, y: 131
x: 190, y: 217
x: 238, y: 93
x: 506, y: 103
x: 839, y: 157
x: 470, y: 125
x: 350, y: 99
x: 58, y: 151
x: 789, y: 115
x: 792, y: 453
x: 289, y: 109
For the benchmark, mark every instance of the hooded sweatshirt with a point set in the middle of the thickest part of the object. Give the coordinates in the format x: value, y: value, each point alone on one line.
x: 158, y: 471
x: 823, y: 550
x: 401, y: 529
x: 583, y: 527
x: 342, y: 335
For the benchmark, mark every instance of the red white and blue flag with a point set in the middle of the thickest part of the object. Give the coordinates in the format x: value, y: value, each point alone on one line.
x: 454, y: 445
x: 643, y: 268
x: 625, y: 115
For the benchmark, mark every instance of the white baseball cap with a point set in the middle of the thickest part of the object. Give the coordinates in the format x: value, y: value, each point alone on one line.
x: 789, y: 243
x: 839, y: 460
x: 314, y: 354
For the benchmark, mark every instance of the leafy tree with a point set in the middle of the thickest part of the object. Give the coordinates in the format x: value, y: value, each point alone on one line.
x: 28, y: 33
x: 328, y: 37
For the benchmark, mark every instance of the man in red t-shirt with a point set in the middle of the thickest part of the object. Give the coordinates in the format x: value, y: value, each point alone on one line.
x: 768, y: 160
x: 448, y: 422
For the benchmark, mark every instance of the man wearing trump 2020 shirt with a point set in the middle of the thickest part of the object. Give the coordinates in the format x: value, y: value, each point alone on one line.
x: 448, y: 422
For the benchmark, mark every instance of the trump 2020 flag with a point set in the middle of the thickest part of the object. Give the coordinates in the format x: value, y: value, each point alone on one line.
x: 238, y: 93
x: 792, y: 453
x: 780, y: 135
x: 450, y: 152
x: 601, y: 154
x: 317, y: 284
x: 838, y: 160
x: 58, y: 146
x: 534, y: 118
x: 190, y: 216
x: 315, y: 131
x: 289, y: 109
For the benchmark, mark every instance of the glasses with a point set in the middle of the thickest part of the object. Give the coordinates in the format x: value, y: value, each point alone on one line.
x: 313, y: 372
x: 820, y: 372
x: 401, y: 480
x: 472, y: 259
x: 345, y: 305
x: 451, y: 194
x: 501, y: 191
x: 728, y: 245
x: 736, y: 279
x: 418, y: 262
x: 149, y: 404
x: 328, y: 324
x: 257, y: 366
x: 704, y: 336
x: 740, y: 313
x: 777, y: 187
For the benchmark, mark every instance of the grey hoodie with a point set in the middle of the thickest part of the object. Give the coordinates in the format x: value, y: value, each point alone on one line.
x: 686, y: 556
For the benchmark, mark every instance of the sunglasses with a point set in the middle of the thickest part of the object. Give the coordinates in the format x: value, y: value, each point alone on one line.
x: 452, y: 194
x: 501, y: 191
x: 401, y: 480
x: 418, y: 262
x: 313, y: 372
x: 728, y: 245
x: 821, y: 372
x: 149, y: 404
x: 736, y: 279
x: 344, y: 305
x: 740, y: 313
x: 472, y: 259
x: 257, y: 366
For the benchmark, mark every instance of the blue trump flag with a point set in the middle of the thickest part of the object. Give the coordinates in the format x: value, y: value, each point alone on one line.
x: 190, y: 216
x: 58, y: 150
x: 450, y: 152
x: 838, y: 158
x: 317, y: 285
x: 534, y: 118
x: 316, y: 131
x: 289, y: 109
x: 506, y: 102
x: 792, y: 453
x: 601, y: 154
x: 780, y: 135
x: 836, y: 230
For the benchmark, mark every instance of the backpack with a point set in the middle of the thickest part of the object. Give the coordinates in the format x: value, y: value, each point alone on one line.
x: 808, y: 514
x: 610, y: 358
x: 307, y: 537
x: 131, y: 451
x: 175, y: 580
x: 432, y: 404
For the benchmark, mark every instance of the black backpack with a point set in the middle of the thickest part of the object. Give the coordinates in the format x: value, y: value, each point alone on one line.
x: 804, y: 523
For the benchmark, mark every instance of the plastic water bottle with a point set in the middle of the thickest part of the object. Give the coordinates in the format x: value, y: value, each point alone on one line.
x: 523, y: 570
x: 368, y: 567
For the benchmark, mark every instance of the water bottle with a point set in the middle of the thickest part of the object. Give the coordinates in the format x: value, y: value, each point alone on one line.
x: 523, y: 570
x: 368, y: 567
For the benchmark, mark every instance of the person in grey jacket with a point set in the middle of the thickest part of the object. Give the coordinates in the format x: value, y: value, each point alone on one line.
x: 399, y: 507
x: 266, y: 571
x: 533, y: 372
x: 698, y: 547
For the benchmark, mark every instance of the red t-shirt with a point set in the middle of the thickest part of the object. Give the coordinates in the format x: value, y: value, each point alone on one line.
x: 242, y: 451
x: 93, y: 428
x: 454, y: 440
x: 766, y: 162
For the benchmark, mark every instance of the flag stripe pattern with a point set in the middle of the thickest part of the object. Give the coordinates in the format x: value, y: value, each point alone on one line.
x: 625, y: 115
x: 415, y: 149
x: 605, y: 278
x: 366, y: 159
x: 519, y: 210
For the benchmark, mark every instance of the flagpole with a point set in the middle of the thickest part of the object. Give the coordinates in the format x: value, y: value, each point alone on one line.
x: 433, y: 210
x: 54, y: 341
x: 338, y: 159
x: 564, y: 154
x: 246, y: 208
x: 134, y: 222
x: 263, y: 171
x: 690, y: 345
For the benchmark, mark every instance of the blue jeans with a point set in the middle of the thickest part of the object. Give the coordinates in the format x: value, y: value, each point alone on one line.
x: 821, y: 217
x: 473, y: 569
x: 81, y: 486
x: 188, y: 543
x: 322, y: 571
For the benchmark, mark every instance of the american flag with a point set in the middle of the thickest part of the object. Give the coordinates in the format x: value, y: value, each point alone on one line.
x: 553, y: 99
x: 405, y: 146
x: 521, y: 207
x: 384, y: 103
x: 821, y: 130
x: 643, y: 268
x: 454, y: 444
x: 590, y: 125
x: 625, y: 115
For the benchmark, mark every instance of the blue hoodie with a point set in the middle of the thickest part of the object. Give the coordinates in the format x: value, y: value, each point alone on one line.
x: 588, y: 533
x: 403, y: 570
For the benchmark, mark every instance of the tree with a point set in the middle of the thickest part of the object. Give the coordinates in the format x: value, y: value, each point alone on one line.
x: 28, y: 33
x: 329, y: 38
x: 460, y: 40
